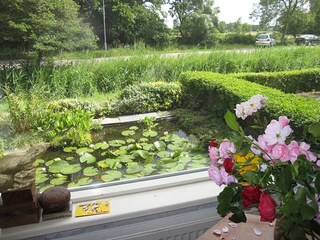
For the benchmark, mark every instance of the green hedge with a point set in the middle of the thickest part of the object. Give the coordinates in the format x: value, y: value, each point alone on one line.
x: 221, y: 92
x: 289, y: 81
x: 149, y: 97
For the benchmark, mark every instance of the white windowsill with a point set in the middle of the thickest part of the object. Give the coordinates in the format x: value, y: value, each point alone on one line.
x: 129, y: 200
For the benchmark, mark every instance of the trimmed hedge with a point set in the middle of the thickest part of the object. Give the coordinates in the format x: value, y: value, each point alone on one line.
x: 221, y: 92
x: 289, y: 81
x: 149, y: 97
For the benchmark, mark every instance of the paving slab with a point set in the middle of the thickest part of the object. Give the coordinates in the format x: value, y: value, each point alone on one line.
x: 106, y: 121
x: 153, y: 114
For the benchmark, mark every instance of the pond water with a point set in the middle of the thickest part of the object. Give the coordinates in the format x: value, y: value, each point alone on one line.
x: 120, y: 152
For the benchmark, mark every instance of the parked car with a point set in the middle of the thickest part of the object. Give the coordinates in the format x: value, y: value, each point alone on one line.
x: 265, y: 40
x: 307, y: 39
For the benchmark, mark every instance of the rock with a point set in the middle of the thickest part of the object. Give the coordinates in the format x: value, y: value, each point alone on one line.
x: 54, y: 199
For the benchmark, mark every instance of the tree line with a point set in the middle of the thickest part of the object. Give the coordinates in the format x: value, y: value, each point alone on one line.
x: 64, y: 25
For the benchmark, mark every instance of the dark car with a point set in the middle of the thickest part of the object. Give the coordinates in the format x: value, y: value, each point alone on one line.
x: 307, y: 39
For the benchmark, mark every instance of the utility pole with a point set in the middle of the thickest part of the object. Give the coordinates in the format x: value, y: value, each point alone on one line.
x: 104, y: 26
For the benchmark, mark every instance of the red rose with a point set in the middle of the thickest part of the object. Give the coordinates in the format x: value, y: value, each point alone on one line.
x: 267, y: 207
x: 250, y: 195
x: 213, y: 143
x: 228, y: 164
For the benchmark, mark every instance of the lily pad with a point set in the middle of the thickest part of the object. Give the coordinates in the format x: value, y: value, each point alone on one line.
x: 69, y: 149
x: 71, y: 169
x: 126, y: 158
x: 84, y: 181
x: 148, y: 147
x: 160, y: 145
x: 143, y: 139
x: 142, y: 153
x: 41, y: 178
x: 90, y: 171
x: 72, y: 184
x: 149, y: 133
x: 133, y: 128
x: 116, y: 143
x: 111, y: 175
x: 148, y: 169
x: 88, y: 158
x: 163, y: 154
x: 69, y: 158
x: 38, y: 162
x: 134, y: 168
x: 103, y: 164
x: 49, y: 163
x: 58, y: 181
x: 57, y: 166
x: 84, y: 150
x: 101, y: 145
x: 46, y: 187
x: 130, y: 140
x: 127, y: 133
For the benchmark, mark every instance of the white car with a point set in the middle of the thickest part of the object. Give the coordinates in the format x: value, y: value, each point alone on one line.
x: 265, y: 40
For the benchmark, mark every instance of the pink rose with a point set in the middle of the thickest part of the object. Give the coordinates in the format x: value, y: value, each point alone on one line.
x: 220, y: 176
x: 304, y: 147
x: 276, y: 133
x: 284, y: 121
x: 226, y: 147
x: 281, y: 151
x: 213, y: 154
x: 267, y: 207
x: 294, y: 151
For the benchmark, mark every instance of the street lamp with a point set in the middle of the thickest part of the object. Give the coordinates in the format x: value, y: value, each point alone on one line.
x: 104, y: 26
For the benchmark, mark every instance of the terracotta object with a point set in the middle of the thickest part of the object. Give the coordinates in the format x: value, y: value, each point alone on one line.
x: 54, y: 199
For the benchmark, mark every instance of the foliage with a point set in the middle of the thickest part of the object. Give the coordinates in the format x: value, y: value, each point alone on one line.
x: 306, y: 80
x: 280, y: 175
x: 221, y: 92
x: 70, y: 127
x: 240, y: 38
x: 113, y: 159
x: 149, y: 97
x: 38, y: 24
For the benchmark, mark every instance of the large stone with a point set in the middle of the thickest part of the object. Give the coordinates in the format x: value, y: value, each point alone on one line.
x: 54, y: 199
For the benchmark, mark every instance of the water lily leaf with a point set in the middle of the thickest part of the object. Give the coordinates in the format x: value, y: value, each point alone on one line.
x: 123, y: 149
x: 111, y: 175
x: 84, y: 181
x: 58, y: 181
x: 116, y: 143
x: 81, y: 151
x: 87, y: 157
x: 163, y: 154
x: 131, y: 176
x: 57, y: 166
x: 72, y: 184
x: 107, y: 178
x: 49, y: 163
x: 69, y: 149
x: 148, y: 146
x: 142, y: 153
x: 38, y: 162
x: 173, y: 147
x: 133, y: 128
x: 110, y: 161
x: 149, y: 133
x: 90, y: 171
x: 148, y: 169
x: 40, y: 170
x: 143, y: 139
x: 69, y: 158
x: 193, y: 165
x: 103, y: 164
x: 170, y: 164
x: 46, y: 187
x: 101, y: 145
x: 113, y: 163
x: 126, y: 158
x: 41, y: 178
x: 134, y: 168
x: 71, y: 169
x: 130, y: 140
x: 127, y: 133
x: 160, y: 145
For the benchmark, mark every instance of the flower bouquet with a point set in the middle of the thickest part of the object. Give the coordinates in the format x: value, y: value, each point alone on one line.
x: 274, y: 172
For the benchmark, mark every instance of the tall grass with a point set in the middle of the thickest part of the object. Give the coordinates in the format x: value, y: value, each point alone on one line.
x: 88, y: 78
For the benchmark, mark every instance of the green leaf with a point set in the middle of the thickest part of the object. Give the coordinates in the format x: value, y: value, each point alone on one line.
x: 134, y: 168
x: 101, y: 145
x: 297, y: 233
x: 315, y: 130
x: 133, y: 128
x: 38, y: 162
x: 223, y: 209
x: 130, y: 140
x: 307, y: 212
x: 103, y: 164
x: 58, y: 181
x: 90, y: 171
x: 41, y: 178
x: 117, y: 143
x: 142, y: 153
x: 285, y: 179
x: 149, y: 133
x: 72, y: 185
x: 231, y: 121
x: 125, y: 158
x: 87, y: 157
x: 84, y: 181
x: 57, y: 166
x: 289, y: 207
x: 143, y: 139
x: 163, y: 154
x: 46, y: 187
x: 84, y: 150
x: 226, y: 195
x: 301, y: 195
x: 71, y: 169
x: 127, y: 133
x: 69, y: 149
x: 317, y: 182
x: 160, y: 145
x: 238, y: 217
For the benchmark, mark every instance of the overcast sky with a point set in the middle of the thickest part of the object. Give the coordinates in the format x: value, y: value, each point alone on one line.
x: 232, y: 10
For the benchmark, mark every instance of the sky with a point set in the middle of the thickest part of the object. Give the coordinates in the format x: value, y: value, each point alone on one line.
x: 232, y: 10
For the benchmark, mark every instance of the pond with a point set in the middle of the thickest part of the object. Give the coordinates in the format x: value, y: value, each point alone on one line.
x: 119, y: 152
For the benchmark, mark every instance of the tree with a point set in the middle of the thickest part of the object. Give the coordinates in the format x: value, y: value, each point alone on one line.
x: 50, y: 26
x: 187, y: 12
x: 270, y: 11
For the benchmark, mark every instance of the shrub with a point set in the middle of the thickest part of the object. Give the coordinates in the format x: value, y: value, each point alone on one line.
x: 149, y: 97
x: 221, y: 92
x: 239, y: 38
x: 290, y: 81
x: 68, y: 127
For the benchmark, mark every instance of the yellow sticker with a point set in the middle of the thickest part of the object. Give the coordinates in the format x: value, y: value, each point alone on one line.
x: 92, y: 208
